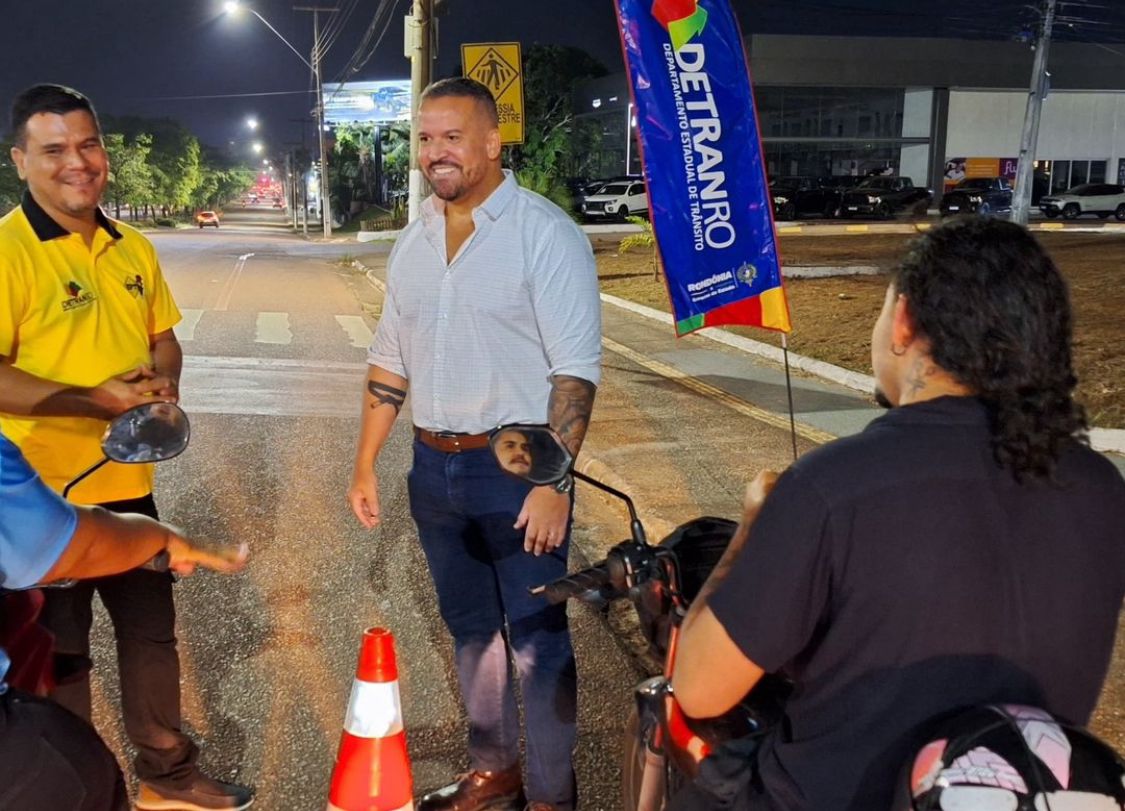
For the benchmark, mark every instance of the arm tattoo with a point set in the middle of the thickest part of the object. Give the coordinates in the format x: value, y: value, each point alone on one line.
x: 569, y: 408
x: 386, y: 395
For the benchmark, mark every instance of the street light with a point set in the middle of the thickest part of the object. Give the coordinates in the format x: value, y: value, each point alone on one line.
x: 257, y: 147
x: 233, y: 7
x: 252, y: 123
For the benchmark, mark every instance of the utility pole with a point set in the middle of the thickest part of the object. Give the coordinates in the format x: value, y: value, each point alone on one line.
x: 417, y: 42
x: 1029, y: 139
x: 325, y: 201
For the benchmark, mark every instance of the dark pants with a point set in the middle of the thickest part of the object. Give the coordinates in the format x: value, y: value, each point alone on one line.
x: 465, y: 506
x: 139, y: 603
x: 51, y: 759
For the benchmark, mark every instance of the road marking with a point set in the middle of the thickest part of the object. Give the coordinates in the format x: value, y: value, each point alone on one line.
x: 275, y: 387
x: 185, y: 330
x: 789, y: 229
x: 726, y: 398
x: 227, y: 362
x: 357, y: 330
x: 273, y: 328
x: 856, y: 229
x: 228, y: 287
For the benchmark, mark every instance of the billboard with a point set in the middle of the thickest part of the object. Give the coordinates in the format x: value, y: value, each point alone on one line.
x: 367, y: 102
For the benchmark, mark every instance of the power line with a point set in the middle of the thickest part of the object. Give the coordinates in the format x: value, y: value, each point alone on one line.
x: 222, y: 96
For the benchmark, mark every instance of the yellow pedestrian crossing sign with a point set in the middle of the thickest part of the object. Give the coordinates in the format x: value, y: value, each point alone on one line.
x: 499, y: 67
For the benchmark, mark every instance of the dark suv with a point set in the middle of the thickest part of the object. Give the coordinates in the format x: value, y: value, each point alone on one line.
x: 795, y: 197
x: 884, y: 197
x: 978, y: 195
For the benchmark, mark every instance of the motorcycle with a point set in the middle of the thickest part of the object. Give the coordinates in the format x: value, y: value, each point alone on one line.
x: 664, y: 750
x: 153, y: 432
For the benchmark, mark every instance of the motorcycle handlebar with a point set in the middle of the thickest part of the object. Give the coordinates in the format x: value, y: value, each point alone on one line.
x: 585, y: 584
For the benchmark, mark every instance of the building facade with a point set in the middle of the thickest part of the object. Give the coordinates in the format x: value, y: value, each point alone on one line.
x: 934, y: 110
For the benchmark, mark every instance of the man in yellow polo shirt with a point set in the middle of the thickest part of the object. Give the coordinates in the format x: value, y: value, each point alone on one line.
x: 86, y: 333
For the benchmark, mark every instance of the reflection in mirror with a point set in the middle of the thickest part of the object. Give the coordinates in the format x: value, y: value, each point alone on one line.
x: 533, y: 453
x: 151, y: 432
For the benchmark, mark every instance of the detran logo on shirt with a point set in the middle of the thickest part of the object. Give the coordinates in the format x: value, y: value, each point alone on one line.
x: 684, y: 20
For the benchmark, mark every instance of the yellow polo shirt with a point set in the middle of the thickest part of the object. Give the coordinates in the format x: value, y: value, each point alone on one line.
x: 77, y: 315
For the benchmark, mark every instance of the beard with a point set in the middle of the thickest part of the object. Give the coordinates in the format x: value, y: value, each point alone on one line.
x: 450, y: 188
x: 881, y: 399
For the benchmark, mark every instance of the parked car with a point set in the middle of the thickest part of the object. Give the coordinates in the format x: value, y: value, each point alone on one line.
x: 1101, y: 199
x: 885, y: 196
x: 617, y: 200
x: 978, y: 195
x: 801, y: 196
x: 207, y: 218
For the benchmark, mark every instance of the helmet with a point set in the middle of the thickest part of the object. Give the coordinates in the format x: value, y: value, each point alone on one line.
x: 1015, y: 758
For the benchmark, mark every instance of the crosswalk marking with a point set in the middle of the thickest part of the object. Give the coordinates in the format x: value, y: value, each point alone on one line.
x: 273, y: 328
x: 185, y: 330
x: 357, y: 330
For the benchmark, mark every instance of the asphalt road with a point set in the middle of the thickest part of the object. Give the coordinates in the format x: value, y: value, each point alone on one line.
x: 274, y: 336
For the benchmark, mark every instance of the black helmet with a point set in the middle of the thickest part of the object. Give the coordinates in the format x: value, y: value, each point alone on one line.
x: 1015, y: 758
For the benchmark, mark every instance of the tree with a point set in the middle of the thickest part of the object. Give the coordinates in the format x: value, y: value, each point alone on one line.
x: 11, y: 187
x: 174, y: 159
x: 556, y: 144
x: 130, y: 177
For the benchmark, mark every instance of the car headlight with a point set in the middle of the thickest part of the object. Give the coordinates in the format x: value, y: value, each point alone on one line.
x: 871, y: 198
x: 780, y: 201
x: 975, y: 198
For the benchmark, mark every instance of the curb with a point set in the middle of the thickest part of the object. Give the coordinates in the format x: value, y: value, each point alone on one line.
x: 1103, y: 440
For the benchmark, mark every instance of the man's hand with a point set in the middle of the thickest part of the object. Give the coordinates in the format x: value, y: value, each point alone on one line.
x: 363, y: 496
x: 140, y: 386
x: 545, y: 514
x: 184, y: 556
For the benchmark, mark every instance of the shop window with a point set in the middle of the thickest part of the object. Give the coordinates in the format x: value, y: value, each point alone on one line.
x: 1060, y: 176
x: 1097, y: 171
x: 1121, y: 171
x: 1079, y: 173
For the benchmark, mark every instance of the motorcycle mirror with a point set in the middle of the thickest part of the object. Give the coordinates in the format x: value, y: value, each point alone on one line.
x: 534, y: 453
x: 152, y: 432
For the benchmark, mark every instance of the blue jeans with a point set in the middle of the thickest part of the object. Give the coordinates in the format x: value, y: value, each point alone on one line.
x: 465, y: 506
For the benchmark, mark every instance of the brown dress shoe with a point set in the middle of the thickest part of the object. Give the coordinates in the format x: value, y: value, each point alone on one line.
x: 478, y: 791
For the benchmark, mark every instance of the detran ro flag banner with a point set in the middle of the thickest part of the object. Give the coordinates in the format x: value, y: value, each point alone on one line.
x: 708, y: 195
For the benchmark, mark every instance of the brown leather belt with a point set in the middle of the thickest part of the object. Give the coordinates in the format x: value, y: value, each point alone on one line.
x: 449, y: 442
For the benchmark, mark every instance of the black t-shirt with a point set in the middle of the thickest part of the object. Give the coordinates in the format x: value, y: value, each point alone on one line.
x: 901, y: 573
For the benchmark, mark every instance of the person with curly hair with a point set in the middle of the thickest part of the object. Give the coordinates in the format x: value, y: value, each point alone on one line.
x: 966, y: 548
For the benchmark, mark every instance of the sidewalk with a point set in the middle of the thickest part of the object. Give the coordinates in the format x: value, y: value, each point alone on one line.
x: 734, y: 399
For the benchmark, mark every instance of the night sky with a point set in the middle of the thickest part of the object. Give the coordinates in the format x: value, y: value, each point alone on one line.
x: 141, y: 57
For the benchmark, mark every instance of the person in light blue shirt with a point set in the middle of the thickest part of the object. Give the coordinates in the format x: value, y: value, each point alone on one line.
x: 50, y: 758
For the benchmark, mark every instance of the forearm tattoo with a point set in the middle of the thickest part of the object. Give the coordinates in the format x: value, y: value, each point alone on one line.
x: 569, y: 409
x: 386, y: 395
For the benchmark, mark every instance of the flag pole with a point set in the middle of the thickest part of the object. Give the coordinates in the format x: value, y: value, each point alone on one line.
x: 789, y: 391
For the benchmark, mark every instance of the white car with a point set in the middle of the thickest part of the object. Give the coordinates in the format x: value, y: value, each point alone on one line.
x: 617, y: 201
x: 1102, y: 199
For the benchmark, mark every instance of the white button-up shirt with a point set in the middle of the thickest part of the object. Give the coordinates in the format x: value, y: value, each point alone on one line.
x: 479, y: 338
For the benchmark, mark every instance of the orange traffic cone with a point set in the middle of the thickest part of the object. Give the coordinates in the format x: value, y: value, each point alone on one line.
x: 372, y: 767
